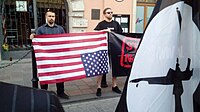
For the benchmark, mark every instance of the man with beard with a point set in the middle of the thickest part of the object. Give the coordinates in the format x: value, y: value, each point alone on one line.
x: 50, y: 27
x: 108, y: 25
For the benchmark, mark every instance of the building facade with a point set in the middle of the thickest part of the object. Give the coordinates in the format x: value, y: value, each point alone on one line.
x: 19, y: 17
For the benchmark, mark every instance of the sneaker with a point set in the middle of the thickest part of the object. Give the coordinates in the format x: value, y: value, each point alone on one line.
x: 104, y: 85
x: 63, y: 95
x: 98, y: 93
x: 116, y: 90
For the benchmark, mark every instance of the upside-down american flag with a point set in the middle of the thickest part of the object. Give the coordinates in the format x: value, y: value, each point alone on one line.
x: 72, y: 56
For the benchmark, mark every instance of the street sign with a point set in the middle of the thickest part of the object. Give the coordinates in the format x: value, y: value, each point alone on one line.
x: 21, y: 5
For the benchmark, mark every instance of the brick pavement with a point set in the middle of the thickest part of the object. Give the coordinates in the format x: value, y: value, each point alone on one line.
x: 84, y: 89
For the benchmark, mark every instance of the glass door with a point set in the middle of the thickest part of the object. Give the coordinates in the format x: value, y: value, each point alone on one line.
x: 143, y: 13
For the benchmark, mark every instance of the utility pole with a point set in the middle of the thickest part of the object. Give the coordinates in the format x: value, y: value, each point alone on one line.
x: 1, y: 26
x: 35, y: 14
x: 34, y: 67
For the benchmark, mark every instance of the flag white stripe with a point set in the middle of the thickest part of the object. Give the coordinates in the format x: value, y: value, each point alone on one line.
x: 67, y: 38
x: 54, y: 69
x: 71, y: 60
x: 60, y: 76
x: 81, y: 44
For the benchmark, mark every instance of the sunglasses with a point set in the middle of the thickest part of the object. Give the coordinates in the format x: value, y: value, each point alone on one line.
x: 109, y: 12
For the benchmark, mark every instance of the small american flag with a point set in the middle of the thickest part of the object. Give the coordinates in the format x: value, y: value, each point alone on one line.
x: 66, y: 57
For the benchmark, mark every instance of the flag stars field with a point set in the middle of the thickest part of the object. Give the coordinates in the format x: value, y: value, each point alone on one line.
x: 96, y: 61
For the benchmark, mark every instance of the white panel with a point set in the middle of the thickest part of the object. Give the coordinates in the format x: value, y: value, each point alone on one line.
x: 78, y: 5
x: 79, y: 22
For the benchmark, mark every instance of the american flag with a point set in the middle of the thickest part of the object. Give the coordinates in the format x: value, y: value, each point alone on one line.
x: 72, y: 56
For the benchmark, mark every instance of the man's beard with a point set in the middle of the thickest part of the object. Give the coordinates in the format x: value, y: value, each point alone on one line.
x: 109, y: 18
x: 51, y: 22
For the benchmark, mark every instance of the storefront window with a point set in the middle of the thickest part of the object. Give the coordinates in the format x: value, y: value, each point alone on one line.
x: 149, y: 12
x: 140, y: 19
x: 143, y: 13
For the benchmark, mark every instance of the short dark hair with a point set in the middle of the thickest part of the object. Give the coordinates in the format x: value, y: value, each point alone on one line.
x: 49, y: 10
x: 104, y: 11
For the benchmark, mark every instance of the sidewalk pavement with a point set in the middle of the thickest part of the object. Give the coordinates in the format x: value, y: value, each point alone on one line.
x: 20, y: 73
x: 99, y: 105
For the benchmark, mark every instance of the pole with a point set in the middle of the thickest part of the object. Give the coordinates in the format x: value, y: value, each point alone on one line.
x: 35, y: 14
x: 34, y: 68
x: 1, y: 34
x: 1, y: 30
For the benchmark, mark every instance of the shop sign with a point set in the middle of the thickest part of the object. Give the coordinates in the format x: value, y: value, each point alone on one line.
x: 21, y: 5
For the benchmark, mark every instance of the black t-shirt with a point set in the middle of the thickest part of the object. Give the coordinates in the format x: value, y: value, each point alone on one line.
x: 113, y: 25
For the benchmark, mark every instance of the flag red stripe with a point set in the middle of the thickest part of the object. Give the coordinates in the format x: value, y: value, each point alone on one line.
x: 69, y: 34
x: 63, y: 80
x: 58, y: 65
x: 60, y: 72
x: 69, y: 49
x: 58, y: 57
x: 69, y: 42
